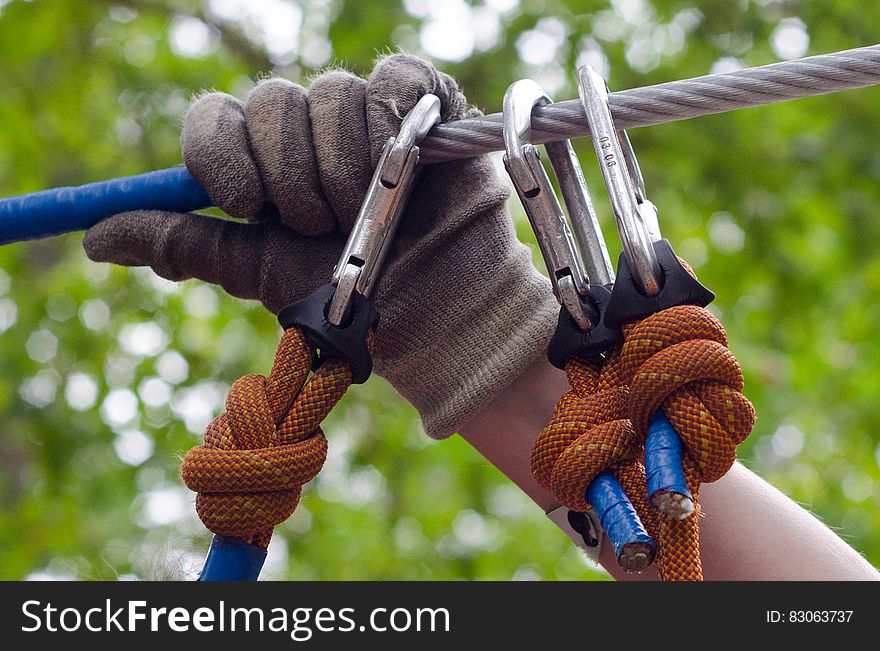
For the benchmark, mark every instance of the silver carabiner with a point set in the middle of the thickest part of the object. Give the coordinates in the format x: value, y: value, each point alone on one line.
x: 636, y: 216
x: 569, y: 275
x: 361, y: 260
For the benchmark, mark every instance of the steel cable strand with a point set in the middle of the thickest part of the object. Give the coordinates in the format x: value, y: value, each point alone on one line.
x: 676, y: 100
x: 61, y: 210
x: 268, y: 443
x: 677, y: 360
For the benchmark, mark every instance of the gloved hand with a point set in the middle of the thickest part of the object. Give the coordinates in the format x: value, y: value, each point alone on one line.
x: 463, y: 311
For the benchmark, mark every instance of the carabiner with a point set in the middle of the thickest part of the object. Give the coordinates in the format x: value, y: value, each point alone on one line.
x: 361, y: 260
x: 638, y: 227
x: 636, y: 216
x: 569, y: 275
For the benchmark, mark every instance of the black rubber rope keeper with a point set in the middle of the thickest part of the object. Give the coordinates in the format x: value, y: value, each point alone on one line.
x: 347, y: 340
x: 570, y: 340
x: 583, y: 526
x: 679, y: 288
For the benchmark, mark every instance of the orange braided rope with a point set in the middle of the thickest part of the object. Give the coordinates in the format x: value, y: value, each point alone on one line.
x: 677, y: 360
x: 268, y: 443
x: 590, y: 432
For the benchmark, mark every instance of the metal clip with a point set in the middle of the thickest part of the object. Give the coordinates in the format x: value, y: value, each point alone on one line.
x: 361, y: 260
x: 569, y: 275
x: 636, y: 216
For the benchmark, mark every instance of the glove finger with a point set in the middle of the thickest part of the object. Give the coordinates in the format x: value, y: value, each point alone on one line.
x: 277, y: 116
x: 399, y: 81
x: 264, y: 261
x: 217, y: 153
x: 337, y: 110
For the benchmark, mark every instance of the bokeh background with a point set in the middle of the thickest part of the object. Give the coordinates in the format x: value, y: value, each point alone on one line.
x: 108, y: 374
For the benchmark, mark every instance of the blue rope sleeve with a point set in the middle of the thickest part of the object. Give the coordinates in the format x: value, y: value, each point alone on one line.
x: 663, y: 453
x: 231, y: 559
x: 616, y: 513
x: 62, y: 210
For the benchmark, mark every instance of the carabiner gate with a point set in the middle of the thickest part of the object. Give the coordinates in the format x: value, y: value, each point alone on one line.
x: 569, y: 275
x: 361, y: 260
x: 636, y: 216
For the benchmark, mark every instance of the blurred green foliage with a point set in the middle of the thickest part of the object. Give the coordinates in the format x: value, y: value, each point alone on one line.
x: 107, y: 375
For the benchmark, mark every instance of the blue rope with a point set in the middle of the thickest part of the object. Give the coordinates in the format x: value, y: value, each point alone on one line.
x: 663, y: 453
x: 616, y: 513
x: 231, y: 559
x: 62, y: 210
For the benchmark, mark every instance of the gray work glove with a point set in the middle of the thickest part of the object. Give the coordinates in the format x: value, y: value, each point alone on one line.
x: 463, y: 311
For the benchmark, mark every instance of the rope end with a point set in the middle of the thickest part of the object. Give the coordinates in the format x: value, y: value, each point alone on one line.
x: 635, y: 557
x: 675, y: 505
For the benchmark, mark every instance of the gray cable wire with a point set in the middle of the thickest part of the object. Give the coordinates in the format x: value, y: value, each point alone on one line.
x: 676, y: 100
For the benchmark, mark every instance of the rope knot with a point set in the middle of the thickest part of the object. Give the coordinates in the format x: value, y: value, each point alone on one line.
x: 589, y: 433
x: 258, y: 454
x: 678, y: 359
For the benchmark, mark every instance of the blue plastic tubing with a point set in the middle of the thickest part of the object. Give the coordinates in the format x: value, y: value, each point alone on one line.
x: 62, y: 210
x: 663, y: 453
x: 663, y: 470
x: 616, y: 513
x: 231, y: 559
